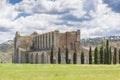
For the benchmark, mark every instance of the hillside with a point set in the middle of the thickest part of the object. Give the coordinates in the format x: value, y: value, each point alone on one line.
x: 6, y: 50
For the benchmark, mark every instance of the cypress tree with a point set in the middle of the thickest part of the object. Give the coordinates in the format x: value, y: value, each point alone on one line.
x: 119, y: 56
x: 101, y: 55
x: 107, y: 52
x: 115, y: 56
x: 31, y: 58
x: 105, y: 55
x: 66, y: 56
x: 107, y: 43
x: 90, y: 56
x: 82, y: 57
x: 74, y: 58
x: 110, y: 56
x: 96, y: 56
x: 51, y: 56
x: 59, y: 56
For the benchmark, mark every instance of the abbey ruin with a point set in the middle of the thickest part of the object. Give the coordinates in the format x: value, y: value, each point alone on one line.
x: 36, y: 48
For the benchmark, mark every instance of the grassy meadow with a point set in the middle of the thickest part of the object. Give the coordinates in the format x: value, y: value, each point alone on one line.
x: 59, y: 72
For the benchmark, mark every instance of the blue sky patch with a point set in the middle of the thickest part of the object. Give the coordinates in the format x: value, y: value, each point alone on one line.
x: 22, y: 15
x: 113, y: 4
x: 14, y: 1
x: 3, y: 29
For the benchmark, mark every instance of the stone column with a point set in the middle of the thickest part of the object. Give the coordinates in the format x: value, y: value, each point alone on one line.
x: 42, y: 42
x: 16, y: 46
x: 35, y: 42
x: 31, y: 57
x: 47, y: 40
x: 42, y: 57
x: 48, y: 57
x: 51, y: 41
x: 55, y: 37
x: 63, y: 58
x: 45, y: 57
x: 39, y: 57
x: 77, y: 44
x: 38, y: 41
x: 78, y: 35
x: 34, y: 57
x: 19, y: 55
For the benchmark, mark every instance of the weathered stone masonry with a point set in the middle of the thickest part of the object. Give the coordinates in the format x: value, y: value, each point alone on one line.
x: 36, y: 48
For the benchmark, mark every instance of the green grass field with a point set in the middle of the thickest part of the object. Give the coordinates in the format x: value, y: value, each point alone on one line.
x: 59, y: 72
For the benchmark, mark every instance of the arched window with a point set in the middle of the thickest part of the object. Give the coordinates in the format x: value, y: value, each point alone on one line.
x: 42, y: 58
x: 36, y: 58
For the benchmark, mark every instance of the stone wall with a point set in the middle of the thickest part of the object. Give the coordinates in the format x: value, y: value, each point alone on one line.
x: 36, y: 48
x: 46, y: 41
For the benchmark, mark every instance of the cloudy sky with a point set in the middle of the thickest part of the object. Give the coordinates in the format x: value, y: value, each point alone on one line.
x: 92, y: 17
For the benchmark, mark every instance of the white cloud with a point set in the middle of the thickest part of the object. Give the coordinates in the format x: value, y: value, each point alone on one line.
x: 105, y: 22
x: 7, y: 11
x: 94, y: 18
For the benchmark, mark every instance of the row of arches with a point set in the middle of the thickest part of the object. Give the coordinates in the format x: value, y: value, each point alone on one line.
x: 44, y: 58
x: 35, y: 58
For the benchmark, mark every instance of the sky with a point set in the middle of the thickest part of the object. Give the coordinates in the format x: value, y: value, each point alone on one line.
x: 95, y: 18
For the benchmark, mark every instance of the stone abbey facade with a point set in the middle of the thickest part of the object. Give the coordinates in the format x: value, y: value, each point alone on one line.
x: 36, y: 48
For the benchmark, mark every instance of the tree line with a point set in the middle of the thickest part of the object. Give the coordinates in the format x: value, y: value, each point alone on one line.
x: 100, y: 55
x: 105, y: 55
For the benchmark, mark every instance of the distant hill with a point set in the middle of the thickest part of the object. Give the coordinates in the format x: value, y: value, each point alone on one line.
x: 6, y: 51
x: 7, y: 48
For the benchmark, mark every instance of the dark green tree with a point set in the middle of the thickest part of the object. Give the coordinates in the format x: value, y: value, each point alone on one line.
x: 101, y: 55
x: 59, y: 56
x: 119, y: 56
x: 90, y: 55
x: 110, y: 55
x: 31, y: 58
x: 107, y: 43
x: 82, y: 57
x: 66, y: 55
x: 107, y: 53
x: 96, y: 56
x: 115, y: 56
x: 51, y: 56
x: 75, y: 57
